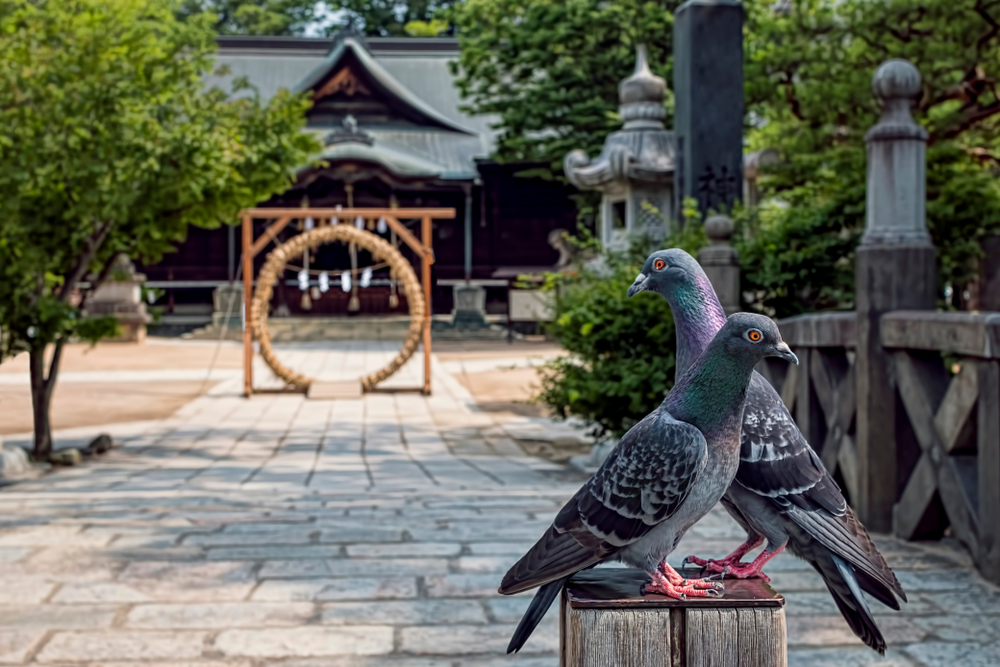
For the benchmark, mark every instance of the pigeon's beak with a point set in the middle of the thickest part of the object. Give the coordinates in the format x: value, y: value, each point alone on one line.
x: 638, y: 286
x: 783, y: 351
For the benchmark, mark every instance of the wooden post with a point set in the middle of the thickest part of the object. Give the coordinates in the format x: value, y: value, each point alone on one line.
x: 988, y: 446
x: 604, y: 622
x: 247, y: 298
x: 426, y: 279
x: 894, y: 270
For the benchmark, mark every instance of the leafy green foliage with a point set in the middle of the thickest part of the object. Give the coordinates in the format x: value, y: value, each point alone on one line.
x: 111, y: 144
x: 254, y: 17
x: 809, y: 65
x: 395, y: 18
x: 620, y: 360
x: 431, y: 28
x: 550, y: 69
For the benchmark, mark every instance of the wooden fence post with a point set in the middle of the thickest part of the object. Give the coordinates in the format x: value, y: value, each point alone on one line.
x: 988, y: 448
x: 894, y: 270
x: 604, y: 622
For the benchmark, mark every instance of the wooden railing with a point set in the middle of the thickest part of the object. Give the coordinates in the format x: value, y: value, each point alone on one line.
x: 947, y: 369
x: 946, y: 374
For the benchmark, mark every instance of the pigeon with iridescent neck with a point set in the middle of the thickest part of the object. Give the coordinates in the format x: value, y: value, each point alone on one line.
x: 667, y: 472
x: 782, y: 493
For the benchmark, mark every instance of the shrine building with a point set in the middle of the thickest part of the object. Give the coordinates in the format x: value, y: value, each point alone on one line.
x: 394, y: 136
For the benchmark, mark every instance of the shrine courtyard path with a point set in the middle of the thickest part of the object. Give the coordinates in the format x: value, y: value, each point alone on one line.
x: 370, y: 533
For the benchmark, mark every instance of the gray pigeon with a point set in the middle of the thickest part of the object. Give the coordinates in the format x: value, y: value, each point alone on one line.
x: 782, y: 492
x: 665, y: 474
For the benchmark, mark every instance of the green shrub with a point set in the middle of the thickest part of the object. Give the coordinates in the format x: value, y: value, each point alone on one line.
x: 620, y: 359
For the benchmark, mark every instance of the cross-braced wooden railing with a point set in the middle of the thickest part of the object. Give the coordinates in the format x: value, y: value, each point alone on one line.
x: 947, y: 369
x: 946, y: 374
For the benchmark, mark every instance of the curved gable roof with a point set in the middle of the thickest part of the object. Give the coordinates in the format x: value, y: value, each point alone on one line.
x: 382, y: 78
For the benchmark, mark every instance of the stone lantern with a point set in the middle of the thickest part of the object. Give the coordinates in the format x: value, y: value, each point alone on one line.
x: 121, y: 296
x: 635, y: 170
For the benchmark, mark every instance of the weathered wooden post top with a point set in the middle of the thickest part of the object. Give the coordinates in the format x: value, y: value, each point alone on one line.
x: 635, y: 170
x: 605, y: 622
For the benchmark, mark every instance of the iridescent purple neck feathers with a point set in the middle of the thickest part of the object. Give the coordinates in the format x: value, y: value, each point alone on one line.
x: 698, y: 316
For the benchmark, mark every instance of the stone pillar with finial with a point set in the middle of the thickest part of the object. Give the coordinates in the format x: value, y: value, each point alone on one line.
x: 894, y: 270
x: 721, y: 262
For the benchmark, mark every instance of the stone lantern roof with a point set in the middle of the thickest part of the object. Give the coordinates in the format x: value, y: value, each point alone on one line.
x: 642, y: 152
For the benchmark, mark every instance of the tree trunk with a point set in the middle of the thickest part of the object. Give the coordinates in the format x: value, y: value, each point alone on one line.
x: 39, y: 406
x: 41, y: 397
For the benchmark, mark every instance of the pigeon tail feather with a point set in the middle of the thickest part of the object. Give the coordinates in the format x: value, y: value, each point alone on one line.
x: 536, y: 611
x: 555, y: 556
x: 843, y: 586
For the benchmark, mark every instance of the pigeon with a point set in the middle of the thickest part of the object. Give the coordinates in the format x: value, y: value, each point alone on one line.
x: 667, y: 472
x: 782, y: 492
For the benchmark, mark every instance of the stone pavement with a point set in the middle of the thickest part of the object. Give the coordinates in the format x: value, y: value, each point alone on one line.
x: 370, y: 533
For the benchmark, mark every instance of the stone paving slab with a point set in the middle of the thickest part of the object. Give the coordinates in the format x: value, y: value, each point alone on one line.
x: 282, y: 532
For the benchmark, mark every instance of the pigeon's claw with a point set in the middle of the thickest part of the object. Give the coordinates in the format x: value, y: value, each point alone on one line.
x: 666, y: 581
x: 748, y: 571
x: 695, y: 588
x: 700, y: 562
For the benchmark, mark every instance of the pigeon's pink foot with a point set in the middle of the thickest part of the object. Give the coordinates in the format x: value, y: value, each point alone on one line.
x: 666, y: 581
x: 746, y: 570
x: 732, y: 560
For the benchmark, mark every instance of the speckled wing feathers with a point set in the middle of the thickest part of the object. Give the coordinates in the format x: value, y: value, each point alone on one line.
x: 775, y: 459
x: 777, y: 462
x: 642, y: 483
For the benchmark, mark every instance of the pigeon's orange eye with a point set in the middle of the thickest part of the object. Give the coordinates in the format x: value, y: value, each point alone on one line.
x: 658, y: 264
x: 754, y: 335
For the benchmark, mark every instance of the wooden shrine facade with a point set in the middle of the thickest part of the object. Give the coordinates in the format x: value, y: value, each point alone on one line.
x: 394, y: 137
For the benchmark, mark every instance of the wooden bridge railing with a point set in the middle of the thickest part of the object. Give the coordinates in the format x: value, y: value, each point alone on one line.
x: 946, y: 376
x: 947, y: 368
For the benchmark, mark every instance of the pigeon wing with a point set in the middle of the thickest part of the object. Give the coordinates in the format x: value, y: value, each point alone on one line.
x: 775, y: 459
x: 777, y: 462
x: 642, y: 483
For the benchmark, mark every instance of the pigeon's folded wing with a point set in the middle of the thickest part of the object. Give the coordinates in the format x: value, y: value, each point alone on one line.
x: 775, y: 459
x: 642, y: 483
x: 777, y: 462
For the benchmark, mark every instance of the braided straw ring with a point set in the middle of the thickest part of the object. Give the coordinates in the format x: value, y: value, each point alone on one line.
x: 275, y: 265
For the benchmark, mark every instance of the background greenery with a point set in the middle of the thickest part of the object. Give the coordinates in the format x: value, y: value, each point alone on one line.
x: 110, y: 143
x: 621, y: 351
x: 548, y: 70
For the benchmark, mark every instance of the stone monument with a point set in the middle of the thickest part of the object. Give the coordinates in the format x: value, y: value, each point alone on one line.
x: 121, y: 296
x: 708, y: 103
x: 635, y: 169
x: 894, y: 270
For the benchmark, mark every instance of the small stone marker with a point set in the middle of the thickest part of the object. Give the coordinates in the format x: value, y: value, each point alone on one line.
x: 605, y: 622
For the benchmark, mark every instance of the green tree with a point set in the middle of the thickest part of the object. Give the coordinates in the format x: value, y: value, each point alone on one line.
x: 111, y: 144
x: 809, y: 65
x: 254, y: 17
x: 549, y: 69
x: 394, y: 18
